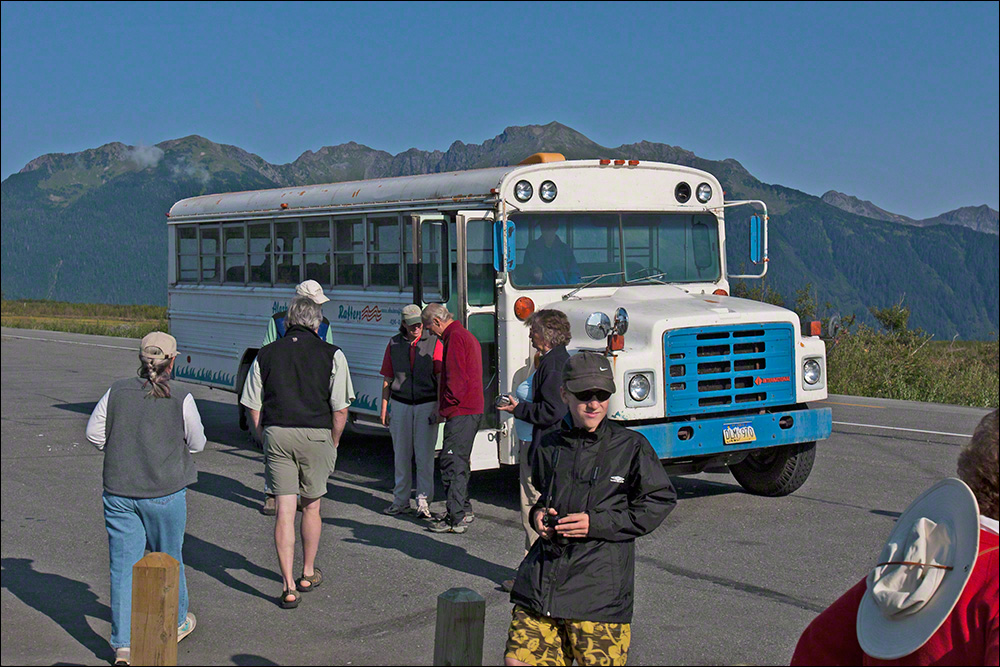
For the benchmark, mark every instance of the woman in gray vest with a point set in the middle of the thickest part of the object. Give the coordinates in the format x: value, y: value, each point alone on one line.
x: 148, y: 431
x: 409, y: 402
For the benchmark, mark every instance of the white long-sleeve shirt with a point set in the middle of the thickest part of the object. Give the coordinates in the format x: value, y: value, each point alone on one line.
x: 194, y: 431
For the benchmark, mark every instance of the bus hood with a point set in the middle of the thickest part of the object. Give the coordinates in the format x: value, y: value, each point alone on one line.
x: 654, y: 309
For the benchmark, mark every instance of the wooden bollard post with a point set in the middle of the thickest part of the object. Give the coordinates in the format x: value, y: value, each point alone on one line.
x: 155, y: 587
x: 458, y: 637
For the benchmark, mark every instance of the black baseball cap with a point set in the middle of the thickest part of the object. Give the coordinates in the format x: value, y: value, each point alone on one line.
x: 588, y: 370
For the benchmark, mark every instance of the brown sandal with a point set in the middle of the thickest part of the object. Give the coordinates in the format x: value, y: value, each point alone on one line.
x: 289, y: 604
x: 312, y: 581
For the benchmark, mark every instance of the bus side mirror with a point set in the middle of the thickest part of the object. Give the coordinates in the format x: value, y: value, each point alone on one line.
x: 756, y: 239
x: 498, y: 246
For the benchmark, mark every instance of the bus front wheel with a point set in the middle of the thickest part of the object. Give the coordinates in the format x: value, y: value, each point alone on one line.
x: 775, y: 471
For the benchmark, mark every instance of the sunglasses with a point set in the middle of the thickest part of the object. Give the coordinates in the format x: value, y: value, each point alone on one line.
x: 591, y: 394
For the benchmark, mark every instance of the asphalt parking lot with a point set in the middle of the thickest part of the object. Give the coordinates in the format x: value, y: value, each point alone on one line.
x: 729, y: 577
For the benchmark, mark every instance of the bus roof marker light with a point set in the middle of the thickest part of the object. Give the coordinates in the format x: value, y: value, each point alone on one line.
x: 523, y: 191
x: 704, y: 193
x: 682, y: 193
x: 619, y: 163
x: 633, y: 163
x: 547, y: 191
x: 605, y: 161
x: 284, y: 204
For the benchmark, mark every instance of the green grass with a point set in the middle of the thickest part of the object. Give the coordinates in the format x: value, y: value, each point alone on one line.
x: 84, y: 318
x: 911, y: 367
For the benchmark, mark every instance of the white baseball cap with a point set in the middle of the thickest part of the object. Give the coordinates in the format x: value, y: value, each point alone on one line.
x: 312, y: 290
x: 921, y: 571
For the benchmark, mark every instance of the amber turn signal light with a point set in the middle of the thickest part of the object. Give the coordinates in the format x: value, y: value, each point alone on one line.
x: 523, y: 308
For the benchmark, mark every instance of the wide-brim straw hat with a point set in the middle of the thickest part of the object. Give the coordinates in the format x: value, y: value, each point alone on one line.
x: 921, y: 571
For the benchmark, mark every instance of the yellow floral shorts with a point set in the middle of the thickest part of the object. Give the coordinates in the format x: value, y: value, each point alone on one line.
x: 539, y: 640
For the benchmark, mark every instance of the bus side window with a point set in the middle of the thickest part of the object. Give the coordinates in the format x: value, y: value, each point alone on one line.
x: 187, y: 254
x: 349, y: 252
x: 260, y: 253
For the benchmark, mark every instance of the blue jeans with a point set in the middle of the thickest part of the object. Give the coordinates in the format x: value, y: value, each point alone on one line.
x: 133, y: 523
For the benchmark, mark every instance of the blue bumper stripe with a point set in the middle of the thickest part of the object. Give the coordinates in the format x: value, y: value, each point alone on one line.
x: 707, y: 435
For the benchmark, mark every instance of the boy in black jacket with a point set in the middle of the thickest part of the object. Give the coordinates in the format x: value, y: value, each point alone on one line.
x: 601, y: 487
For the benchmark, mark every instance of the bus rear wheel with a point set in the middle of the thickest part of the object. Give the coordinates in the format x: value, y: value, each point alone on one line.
x: 775, y: 471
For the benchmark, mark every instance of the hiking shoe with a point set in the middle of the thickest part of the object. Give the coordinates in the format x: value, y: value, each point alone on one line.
x: 123, y: 656
x: 394, y: 509
x: 443, y: 516
x: 423, y: 510
x: 268, y: 509
x: 507, y: 585
x: 445, y: 527
x: 187, y: 627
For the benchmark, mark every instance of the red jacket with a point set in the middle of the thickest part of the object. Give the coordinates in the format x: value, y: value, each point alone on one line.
x: 969, y: 636
x: 461, y: 381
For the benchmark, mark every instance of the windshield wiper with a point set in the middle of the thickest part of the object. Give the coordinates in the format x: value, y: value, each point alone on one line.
x: 652, y: 277
x: 593, y: 280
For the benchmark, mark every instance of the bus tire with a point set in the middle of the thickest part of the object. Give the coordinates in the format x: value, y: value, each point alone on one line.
x: 775, y: 471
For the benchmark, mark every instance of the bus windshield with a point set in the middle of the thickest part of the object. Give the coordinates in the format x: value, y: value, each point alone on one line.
x: 572, y: 249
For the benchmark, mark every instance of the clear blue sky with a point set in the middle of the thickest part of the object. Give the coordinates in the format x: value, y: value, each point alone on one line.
x: 894, y: 103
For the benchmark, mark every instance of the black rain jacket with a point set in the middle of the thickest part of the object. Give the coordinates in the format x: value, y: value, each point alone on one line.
x: 615, y: 476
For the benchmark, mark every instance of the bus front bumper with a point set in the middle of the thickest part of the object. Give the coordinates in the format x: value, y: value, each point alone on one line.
x: 705, y: 437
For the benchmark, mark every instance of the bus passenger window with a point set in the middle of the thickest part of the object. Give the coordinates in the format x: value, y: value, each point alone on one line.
x: 287, y: 260
x: 317, y: 250
x: 260, y: 253
x: 209, y: 254
x: 234, y: 253
x: 348, y: 255
x: 187, y: 254
x: 383, y: 258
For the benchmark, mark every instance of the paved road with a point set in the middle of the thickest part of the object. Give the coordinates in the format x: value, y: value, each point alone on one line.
x: 729, y: 578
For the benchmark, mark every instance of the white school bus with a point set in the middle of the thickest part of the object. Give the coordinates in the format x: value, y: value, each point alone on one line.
x: 632, y: 252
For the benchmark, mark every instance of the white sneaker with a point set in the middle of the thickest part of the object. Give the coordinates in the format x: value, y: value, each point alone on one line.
x: 423, y: 509
x: 123, y: 656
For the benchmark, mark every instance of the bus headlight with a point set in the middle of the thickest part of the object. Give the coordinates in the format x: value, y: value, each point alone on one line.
x: 704, y: 193
x: 812, y: 372
x: 523, y: 191
x: 638, y: 387
x: 598, y: 326
x: 547, y: 191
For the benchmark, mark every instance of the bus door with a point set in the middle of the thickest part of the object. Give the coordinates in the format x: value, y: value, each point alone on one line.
x: 468, y: 289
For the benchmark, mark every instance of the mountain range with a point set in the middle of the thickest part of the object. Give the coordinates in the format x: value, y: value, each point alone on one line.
x: 980, y: 218
x: 90, y: 226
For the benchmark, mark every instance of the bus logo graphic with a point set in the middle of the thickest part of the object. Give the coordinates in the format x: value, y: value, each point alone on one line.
x: 738, y: 432
x: 366, y: 314
x: 759, y: 381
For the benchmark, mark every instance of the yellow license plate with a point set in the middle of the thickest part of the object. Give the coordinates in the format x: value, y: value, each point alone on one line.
x: 739, y: 432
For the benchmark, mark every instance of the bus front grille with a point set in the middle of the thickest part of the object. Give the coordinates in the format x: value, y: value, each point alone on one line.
x: 717, y: 369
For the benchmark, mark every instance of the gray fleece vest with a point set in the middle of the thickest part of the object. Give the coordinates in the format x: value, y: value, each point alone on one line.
x: 145, y: 455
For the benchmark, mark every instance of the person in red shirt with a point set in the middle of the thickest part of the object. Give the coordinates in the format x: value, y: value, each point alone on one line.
x: 460, y: 405
x: 410, y: 368
x: 932, y: 599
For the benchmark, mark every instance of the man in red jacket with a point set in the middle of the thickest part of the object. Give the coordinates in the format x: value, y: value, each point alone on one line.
x: 932, y: 598
x: 460, y: 405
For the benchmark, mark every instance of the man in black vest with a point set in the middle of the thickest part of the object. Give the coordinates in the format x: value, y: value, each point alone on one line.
x: 276, y: 328
x: 297, y: 394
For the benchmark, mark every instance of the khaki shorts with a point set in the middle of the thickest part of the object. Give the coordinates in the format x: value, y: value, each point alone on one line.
x: 540, y: 640
x: 299, y: 460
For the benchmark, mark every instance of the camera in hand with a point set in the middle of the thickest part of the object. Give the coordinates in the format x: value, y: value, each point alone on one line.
x: 550, y: 520
x: 503, y: 400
